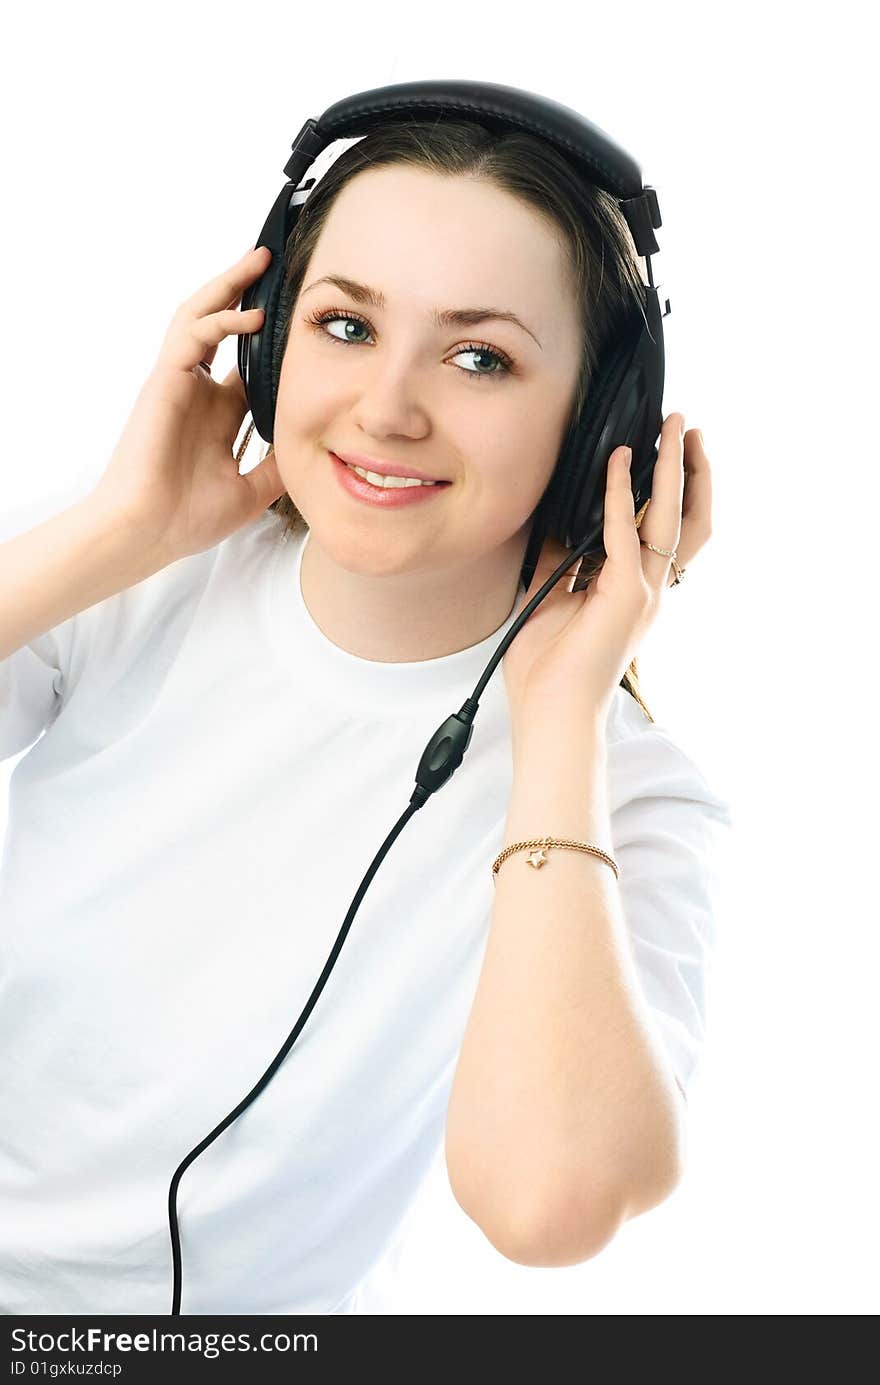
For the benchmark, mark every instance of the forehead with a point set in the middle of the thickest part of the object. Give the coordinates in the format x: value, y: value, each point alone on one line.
x: 431, y: 239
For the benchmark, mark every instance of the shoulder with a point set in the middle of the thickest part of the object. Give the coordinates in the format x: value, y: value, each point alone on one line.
x: 647, y: 761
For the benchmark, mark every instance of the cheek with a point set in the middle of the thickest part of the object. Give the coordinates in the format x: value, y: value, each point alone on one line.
x: 303, y: 394
x: 516, y: 461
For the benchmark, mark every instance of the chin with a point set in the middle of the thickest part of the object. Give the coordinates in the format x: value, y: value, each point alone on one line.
x: 364, y: 552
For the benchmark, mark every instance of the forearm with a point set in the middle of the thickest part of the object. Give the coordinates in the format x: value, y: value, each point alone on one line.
x: 63, y: 566
x: 562, y: 1094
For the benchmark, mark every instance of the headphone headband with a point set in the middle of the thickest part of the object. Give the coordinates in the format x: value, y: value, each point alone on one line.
x: 596, y: 156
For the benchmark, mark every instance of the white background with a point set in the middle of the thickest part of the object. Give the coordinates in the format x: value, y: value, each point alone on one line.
x: 141, y: 153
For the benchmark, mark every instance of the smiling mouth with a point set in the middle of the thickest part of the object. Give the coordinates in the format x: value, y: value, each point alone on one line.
x: 390, y: 482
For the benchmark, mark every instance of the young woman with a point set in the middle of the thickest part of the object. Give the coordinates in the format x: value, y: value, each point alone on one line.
x: 237, y: 676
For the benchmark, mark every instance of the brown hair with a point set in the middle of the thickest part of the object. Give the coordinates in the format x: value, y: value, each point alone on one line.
x: 587, y: 221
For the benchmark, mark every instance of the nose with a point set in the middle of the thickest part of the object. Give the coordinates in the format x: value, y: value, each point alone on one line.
x: 390, y: 402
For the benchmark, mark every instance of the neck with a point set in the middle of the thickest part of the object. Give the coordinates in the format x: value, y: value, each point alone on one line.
x: 408, y: 617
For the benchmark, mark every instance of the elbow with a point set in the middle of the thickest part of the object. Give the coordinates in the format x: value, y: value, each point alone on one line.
x: 570, y: 1227
x: 567, y: 1231
x: 577, y: 1218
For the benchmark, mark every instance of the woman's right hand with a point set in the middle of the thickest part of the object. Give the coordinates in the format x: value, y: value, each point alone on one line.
x: 173, y: 478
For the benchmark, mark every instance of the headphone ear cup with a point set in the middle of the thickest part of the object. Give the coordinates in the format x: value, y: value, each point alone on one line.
x: 623, y: 406
x: 266, y: 352
x: 280, y: 327
x: 617, y: 410
x: 260, y: 353
x: 578, y: 480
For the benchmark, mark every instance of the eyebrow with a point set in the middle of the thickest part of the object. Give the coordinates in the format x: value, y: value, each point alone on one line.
x: 442, y: 317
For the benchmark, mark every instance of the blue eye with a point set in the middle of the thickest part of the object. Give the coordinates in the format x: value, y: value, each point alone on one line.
x: 504, y: 365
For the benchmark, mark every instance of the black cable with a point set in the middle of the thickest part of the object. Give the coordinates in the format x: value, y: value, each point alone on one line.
x: 440, y: 759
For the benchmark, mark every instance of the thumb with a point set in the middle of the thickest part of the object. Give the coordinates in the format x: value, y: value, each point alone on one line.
x: 265, y: 481
x: 234, y: 385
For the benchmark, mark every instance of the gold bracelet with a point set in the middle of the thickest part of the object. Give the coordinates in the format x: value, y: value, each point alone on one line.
x: 538, y: 857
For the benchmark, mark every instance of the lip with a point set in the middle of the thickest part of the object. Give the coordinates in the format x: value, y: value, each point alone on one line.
x: 384, y: 468
x: 390, y: 498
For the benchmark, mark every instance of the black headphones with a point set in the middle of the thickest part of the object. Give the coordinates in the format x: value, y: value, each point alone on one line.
x: 624, y: 406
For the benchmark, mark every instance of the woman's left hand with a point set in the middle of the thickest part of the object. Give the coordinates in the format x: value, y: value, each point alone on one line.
x: 576, y: 646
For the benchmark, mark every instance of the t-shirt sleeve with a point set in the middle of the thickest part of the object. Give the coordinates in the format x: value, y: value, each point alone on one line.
x: 31, y: 692
x: 670, y: 834
x: 32, y: 677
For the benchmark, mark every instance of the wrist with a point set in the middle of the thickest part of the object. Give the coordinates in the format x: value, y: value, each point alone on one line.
x: 559, y: 785
x: 559, y: 737
x: 134, y: 553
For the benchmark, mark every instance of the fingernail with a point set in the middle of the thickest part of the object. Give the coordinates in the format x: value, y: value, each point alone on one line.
x: 627, y: 457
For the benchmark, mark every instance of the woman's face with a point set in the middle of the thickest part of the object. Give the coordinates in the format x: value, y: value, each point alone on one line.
x: 391, y: 384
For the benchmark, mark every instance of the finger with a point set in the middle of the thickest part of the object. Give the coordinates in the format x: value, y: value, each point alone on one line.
x: 661, y: 524
x: 621, y: 538
x: 233, y: 385
x: 233, y: 406
x: 265, y: 481
x: 211, y: 351
x: 696, y: 513
x: 235, y: 395
x: 198, y: 340
x: 226, y: 289
x: 697, y: 504
x: 618, y: 533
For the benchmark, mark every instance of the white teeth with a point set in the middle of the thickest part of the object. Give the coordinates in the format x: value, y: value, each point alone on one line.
x: 388, y: 481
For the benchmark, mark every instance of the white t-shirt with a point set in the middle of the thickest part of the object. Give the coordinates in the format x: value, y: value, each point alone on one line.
x: 183, y: 845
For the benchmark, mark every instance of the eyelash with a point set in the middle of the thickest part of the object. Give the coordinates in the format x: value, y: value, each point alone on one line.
x: 508, y: 368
